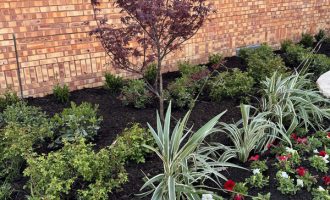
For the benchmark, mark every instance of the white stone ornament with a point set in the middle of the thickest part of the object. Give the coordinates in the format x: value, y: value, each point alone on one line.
x: 323, y: 84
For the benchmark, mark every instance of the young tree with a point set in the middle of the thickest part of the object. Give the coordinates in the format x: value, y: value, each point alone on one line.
x: 149, y: 31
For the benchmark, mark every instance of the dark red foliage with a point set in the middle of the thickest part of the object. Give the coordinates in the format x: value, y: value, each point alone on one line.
x: 150, y: 29
x: 229, y: 185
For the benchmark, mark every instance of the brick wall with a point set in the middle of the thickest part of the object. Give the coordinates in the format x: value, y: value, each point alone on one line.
x: 54, y: 45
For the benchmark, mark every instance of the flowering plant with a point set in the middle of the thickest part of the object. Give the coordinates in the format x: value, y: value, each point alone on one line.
x: 320, y: 194
x: 304, y: 178
x: 262, y: 197
x: 260, y: 165
x: 284, y: 163
x: 326, y: 180
x: 229, y: 185
x: 257, y: 179
x: 286, y: 184
x: 319, y: 162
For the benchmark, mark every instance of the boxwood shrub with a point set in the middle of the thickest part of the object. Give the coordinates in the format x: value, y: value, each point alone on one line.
x: 233, y: 84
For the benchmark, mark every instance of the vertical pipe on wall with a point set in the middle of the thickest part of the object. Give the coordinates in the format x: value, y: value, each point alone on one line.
x: 18, y: 68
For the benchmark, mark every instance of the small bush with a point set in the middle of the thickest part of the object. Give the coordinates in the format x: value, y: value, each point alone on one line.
x: 26, y: 129
x: 5, y: 191
x: 135, y: 93
x: 53, y: 176
x: 261, y: 67
x: 129, y: 144
x: 320, y: 35
x: 307, y: 40
x: 24, y: 116
x: 262, y: 62
x: 285, y: 44
x: 188, y: 69
x: 182, y: 92
x: 77, y: 121
x: 264, y: 51
x: 61, y: 93
x: 113, y: 83
x: 294, y: 55
x: 9, y: 98
x: 150, y: 74
x: 215, y: 60
x: 235, y: 84
x: 319, y: 65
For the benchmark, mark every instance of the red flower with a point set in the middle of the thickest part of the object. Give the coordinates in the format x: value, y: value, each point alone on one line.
x: 229, y: 185
x: 294, y: 136
x: 322, y: 153
x: 301, y: 140
x: 254, y: 158
x: 282, y: 158
x: 328, y: 135
x: 238, y: 197
x: 301, y: 171
x: 326, y: 180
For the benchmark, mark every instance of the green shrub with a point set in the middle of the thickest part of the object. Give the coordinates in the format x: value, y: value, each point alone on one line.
x: 235, y: 84
x: 295, y: 54
x: 26, y: 130
x: 182, y: 92
x: 307, y: 40
x: 131, y: 143
x: 135, y: 93
x: 320, y: 35
x: 150, y: 74
x: 186, y: 69
x: 5, y: 191
x: 53, y: 176
x: 262, y: 62
x: 23, y: 115
x: 61, y: 94
x: 320, y: 65
x: 113, y: 83
x: 8, y: 99
x: 285, y: 44
x: 264, y: 51
x: 215, y: 60
x: 76, y: 121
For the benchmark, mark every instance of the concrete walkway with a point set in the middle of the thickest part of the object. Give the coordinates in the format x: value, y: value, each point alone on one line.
x: 324, y: 84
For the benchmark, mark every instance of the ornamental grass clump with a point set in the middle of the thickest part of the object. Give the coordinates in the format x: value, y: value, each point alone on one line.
x: 290, y: 101
x: 184, y: 164
x: 248, y: 134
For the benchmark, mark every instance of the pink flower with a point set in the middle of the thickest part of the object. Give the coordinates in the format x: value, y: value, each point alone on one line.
x: 328, y: 136
x: 238, y: 197
x: 254, y: 158
x: 322, y: 153
x: 229, y: 185
x: 301, y: 171
x: 326, y: 180
x: 282, y: 158
x: 294, y: 136
x: 301, y: 140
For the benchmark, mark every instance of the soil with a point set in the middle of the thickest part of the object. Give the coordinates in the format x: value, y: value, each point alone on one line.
x: 116, y: 117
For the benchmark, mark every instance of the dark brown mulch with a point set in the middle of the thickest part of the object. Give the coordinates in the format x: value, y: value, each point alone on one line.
x: 116, y: 117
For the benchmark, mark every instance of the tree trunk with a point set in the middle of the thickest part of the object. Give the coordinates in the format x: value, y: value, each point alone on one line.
x: 161, y: 91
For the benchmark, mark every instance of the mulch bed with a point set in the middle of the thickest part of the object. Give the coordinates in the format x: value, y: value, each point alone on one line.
x: 116, y: 117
